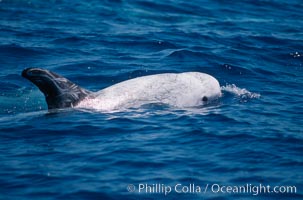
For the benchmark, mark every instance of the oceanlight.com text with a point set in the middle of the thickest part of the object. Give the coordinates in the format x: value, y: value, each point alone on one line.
x: 192, y: 188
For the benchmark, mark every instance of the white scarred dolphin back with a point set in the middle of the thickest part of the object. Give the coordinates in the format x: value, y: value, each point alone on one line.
x: 181, y: 90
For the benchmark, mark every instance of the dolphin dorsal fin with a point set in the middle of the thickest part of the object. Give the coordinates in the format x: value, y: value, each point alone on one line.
x: 59, y: 92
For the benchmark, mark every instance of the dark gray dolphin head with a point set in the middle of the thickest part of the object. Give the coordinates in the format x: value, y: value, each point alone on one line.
x: 59, y: 92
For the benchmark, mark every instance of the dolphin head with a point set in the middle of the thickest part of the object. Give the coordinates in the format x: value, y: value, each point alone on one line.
x: 59, y: 92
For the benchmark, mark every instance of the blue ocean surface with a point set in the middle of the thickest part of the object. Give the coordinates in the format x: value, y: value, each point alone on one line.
x: 252, y: 136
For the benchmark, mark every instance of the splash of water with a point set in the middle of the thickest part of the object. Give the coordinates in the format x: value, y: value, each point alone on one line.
x: 242, y: 93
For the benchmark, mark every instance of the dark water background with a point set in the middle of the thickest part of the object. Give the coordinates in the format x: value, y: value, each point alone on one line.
x: 252, y: 135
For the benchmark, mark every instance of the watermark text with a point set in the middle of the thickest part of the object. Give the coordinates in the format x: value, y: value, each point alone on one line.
x: 192, y: 188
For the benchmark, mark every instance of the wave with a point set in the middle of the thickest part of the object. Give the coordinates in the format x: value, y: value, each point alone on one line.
x: 71, y: 40
x: 182, y: 54
x: 21, y: 51
x: 240, y: 92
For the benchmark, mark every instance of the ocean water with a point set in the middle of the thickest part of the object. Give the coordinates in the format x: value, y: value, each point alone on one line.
x: 252, y: 136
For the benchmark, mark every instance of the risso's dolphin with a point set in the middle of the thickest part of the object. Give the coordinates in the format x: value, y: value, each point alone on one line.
x: 180, y: 90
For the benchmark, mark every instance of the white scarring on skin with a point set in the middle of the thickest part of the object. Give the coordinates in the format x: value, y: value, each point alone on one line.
x: 179, y: 90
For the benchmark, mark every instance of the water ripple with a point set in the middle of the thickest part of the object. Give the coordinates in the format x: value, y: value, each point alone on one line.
x: 253, y: 134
